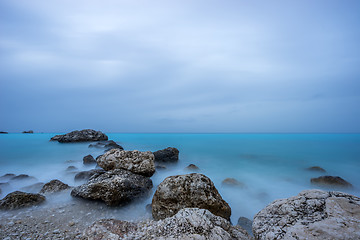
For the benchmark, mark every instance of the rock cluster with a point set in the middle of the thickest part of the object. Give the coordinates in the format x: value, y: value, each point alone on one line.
x: 54, y: 186
x: 85, y: 135
x: 19, y: 199
x: 167, y: 155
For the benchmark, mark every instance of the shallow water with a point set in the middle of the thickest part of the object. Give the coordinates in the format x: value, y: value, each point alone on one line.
x: 271, y: 166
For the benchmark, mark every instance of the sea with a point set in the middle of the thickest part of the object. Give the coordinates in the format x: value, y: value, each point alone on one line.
x: 269, y: 166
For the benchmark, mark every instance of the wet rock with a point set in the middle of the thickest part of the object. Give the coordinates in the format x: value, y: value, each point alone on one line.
x: 54, y: 186
x: 7, y: 176
x: 86, y: 175
x: 19, y: 199
x: 232, y: 182
x: 33, y: 188
x: 88, y: 159
x: 30, y: 131
x: 192, y: 167
x: 71, y: 168
x: 331, y: 181
x: 167, y: 155
x: 188, y: 223
x: 316, y: 169
x: 85, y: 135
x: 134, y: 161
x: 246, y: 224
x: 115, y: 187
x: 188, y: 191
x: 23, y: 177
x: 313, y: 214
x: 106, y: 145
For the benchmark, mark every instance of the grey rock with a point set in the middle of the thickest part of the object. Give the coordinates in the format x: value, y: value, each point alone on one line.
x: 86, y: 175
x: 115, y: 187
x: 88, y: 159
x: 134, y: 161
x: 19, y: 199
x: 168, y: 155
x: 85, y: 135
x: 313, y: 214
x: 331, y: 181
x: 188, y: 191
x: 106, y: 145
x: 54, y: 186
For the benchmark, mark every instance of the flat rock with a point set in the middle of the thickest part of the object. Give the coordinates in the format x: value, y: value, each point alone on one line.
x: 115, y: 187
x: 188, y: 223
x: 188, y: 191
x: 19, y: 199
x: 86, y: 175
x: 88, y: 160
x: 54, y: 186
x: 85, y: 135
x: 168, y: 155
x: 313, y: 214
x: 331, y: 181
x: 134, y: 161
x: 316, y: 169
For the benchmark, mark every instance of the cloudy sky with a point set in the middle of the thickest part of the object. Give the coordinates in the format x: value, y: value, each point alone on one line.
x: 180, y: 66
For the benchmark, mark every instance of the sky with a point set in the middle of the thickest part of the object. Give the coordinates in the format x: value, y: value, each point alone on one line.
x: 180, y: 66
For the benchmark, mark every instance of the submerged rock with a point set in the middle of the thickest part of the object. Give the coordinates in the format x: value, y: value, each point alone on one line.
x: 246, y: 224
x: 331, y: 181
x: 71, y: 168
x: 192, y: 167
x: 54, y: 186
x: 232, y: 182
x: 134, y: 161
x: 316, y: 169
x: 30, y: 131
x: 19, y: 199
x: 169, y: 154
x: 106, y: 145
x: 33, y: 188
x: 7, y: 176
x: 86, y: 175
x: 88, y: 159
x: 115, y: 187
x: 313, y: 214
x: 188, y: 191
x: 188, y: 223
x: 23, y: 177
x: 85, y: 135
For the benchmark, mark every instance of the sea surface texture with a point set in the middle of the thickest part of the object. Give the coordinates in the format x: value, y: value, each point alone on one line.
x: 269, y: 166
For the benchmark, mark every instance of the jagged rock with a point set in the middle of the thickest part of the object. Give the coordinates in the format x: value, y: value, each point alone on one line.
x: 167, y: 155
x: 23, y: 177
x: 88, y: 159
x: 106, y: 145
x: 331, y: 181
x: 188, y: 223
x: 188, y: 191
x: 54, y: 186
x: 246, y: 224
x: 33, y: 188
x: 134, y: 161
x: 85, y: 135
x: 316, y: 169
x: 232, y: 182
x: 19, y: 199
x: 115, y: 187
x: 192, y: 167
x: 86, y: 175
x: 313, y: 214
x: 30, y: 131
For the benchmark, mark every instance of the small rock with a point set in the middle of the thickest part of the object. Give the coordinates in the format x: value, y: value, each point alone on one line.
x: 331, y: 181
x: 88, y: 160
x: 232, y: 182
x: 71, y: 224
x: 71, y: 168
x: 54, y: 186
x: 30, y: 131
x: 316, y: 169
x: 23, y: 177
x: 192, y: 167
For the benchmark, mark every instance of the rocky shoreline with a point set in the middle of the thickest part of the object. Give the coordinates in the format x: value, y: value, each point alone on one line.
x: 183, y: 206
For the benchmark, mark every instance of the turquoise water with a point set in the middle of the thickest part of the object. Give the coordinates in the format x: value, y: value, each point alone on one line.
x: 270, y: 165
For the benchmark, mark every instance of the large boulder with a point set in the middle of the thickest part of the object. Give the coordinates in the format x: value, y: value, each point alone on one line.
x: 331, y: 181
x: 188, y: 191
x: 115, y: 187
x: 85, y: 135
x: 169, y: 154
x: 54, y: 186
x: 19, y: 199
x: 106, y: 145
x: 86, y: 175
x: 313, y: 214
x: 134, y: 161
x: 188, y: 223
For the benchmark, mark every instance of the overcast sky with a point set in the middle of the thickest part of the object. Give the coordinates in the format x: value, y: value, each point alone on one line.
x: 180, y: 66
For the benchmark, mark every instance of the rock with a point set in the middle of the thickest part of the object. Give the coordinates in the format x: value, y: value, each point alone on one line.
x: 88, y: 159
x: 54, y: 186
x: 331, y: 181
x: 19, y: 199
x: 1, y: 132
x: 71, y: 168
x: 23, y: 177
x: 85, y: 135
x: 188, y: 191
x: 33, y: 188
x: 188, y: 223
x: 246, y: 224
x: 7, y: 176
x: 313, y: 214
x: 134, y: 161
x: 167, y: 155
x: 316, y: 169
x: 115, y: 187
x: 232, y: 182
x: 192, y: 167
x: 106, y: 145
x: 160, y: 167
x: 30, y: 131
x: 86, y: 175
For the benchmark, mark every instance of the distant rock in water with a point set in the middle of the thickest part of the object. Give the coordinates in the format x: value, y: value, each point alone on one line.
x: 331, y: 181
x: 313, y: 214
x: 192, y: 167
x: 86, y: 135
x: 115, y: 187
x: 86, y: 175
x: 316, y: 169
x: 7, y: 176
x: 232, y: 182
x: 88, y: 160
x: 71, y: 168
x: 1, y: 132
x: 30, y: 131
x: 134, y: 161
x: 106, y: 145
x: 19, y: 199
x: 188, y: 223
x: 167, y: 155
x: 23, y: 177
x: 188, y: 191
x: 54, y: 186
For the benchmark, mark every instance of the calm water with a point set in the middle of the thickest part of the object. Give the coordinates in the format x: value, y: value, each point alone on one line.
x: 270, y: 165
